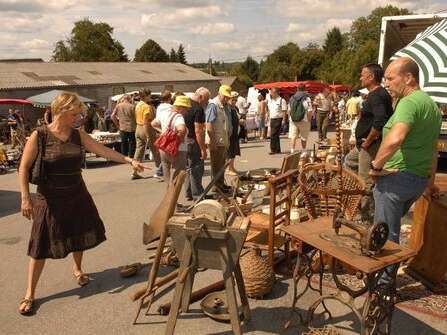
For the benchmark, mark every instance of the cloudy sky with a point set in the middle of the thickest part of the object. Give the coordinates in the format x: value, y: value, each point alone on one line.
x: 226, y: 30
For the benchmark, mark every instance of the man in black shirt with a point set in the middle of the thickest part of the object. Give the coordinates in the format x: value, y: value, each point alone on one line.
x: 372, y: 119
x: 195, y: 123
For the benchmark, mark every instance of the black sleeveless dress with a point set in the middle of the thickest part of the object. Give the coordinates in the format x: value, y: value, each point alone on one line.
x: 65, y: 216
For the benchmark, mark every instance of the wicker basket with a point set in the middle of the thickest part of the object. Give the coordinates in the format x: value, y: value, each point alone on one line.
x: 257, y: 274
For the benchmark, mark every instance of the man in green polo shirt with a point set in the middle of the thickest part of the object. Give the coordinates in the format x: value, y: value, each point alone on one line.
x: 405, y: 164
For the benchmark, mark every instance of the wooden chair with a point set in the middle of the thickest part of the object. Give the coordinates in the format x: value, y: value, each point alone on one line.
x: 290, y: 162
x: 263, y: 228
x: 319, y: 185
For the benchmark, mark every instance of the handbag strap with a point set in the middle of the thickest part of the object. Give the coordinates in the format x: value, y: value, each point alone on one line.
x: 42, y: 134
x: 170, y: 121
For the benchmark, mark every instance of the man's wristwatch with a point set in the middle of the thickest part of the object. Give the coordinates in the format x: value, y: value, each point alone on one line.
x: 371, y: 165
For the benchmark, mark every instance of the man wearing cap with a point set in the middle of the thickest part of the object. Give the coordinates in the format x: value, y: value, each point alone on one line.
x: 218, y: 127
x: 376, y: 111
x: 174, y: 119
x: 145, y: 134
x: 277, y: 108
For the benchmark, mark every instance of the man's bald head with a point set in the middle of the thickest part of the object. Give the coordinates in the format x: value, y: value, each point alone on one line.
x: 402, y: 76
x: 404, y: 66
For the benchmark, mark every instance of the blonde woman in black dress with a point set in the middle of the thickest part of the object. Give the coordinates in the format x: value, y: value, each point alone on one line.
x: 65, y: 218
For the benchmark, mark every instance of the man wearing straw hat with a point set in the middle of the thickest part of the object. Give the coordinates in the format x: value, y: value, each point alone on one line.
x: 218, y: 127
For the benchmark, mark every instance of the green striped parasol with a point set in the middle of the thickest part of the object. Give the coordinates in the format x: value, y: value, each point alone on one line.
x: 429, y: 51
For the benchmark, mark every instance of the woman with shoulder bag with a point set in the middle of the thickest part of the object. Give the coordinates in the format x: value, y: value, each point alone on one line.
x: 65, y: 218
x: 171, y: 143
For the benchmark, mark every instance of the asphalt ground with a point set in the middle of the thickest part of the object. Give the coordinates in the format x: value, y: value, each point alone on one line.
x: 103, y: 307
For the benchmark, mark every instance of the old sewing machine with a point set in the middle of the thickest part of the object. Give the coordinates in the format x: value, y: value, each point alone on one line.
x: 209, y: 237
x: 371, y: 236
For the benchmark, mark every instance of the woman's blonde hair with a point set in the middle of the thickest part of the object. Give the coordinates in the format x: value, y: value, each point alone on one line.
x: 66, y: 102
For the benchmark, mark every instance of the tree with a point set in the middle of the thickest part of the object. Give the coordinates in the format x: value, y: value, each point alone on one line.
x: 61, y: 52
x: 173, y: 56
x: 251, y: 68
x: 278, y: 65
x: 333, y: 42
x: 181, y: 56
x: 90, y: 42
x: 368, y: 28
x: 307, y: 61
x: 151, y: 51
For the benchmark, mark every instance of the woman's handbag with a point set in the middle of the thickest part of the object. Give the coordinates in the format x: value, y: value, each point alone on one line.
x: 168, y: 142
x: 37, y: 173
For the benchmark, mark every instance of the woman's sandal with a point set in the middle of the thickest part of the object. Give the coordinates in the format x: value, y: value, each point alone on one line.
x: 28, y: 306
x: 82, y: 279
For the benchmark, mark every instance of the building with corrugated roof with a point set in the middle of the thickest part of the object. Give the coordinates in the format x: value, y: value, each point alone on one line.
x: 99, y: 80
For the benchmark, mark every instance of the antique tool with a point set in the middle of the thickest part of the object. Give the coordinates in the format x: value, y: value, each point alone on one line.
x: 208, y: 238
x: 215, y: 306
x: 372, y: 237
x: 208, y: 188
x: 195, y: 296
x: 158, y: 283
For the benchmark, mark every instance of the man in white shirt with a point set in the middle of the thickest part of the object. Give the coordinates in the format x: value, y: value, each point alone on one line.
x: 323, y: 101
x: 277, y: 107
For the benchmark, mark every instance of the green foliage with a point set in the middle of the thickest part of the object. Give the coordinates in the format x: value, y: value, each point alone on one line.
x: 251, y: 68
x: 151, y: 51
x: 334, y: 42
x: 61, y: 53
x: 173, y: 56
x: 368, y: 28
x: 247, y: 72
x: 181, y: 56
x: 307, y: 61
x: 340, y: 58
x: 278, y: 66
x: 90, y: 42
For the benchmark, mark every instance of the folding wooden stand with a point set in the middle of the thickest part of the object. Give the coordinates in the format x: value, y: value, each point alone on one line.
x: 206, y: 243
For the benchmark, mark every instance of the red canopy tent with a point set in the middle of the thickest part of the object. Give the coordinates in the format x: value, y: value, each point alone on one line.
x: 14, y: 101
x: 289, y: 87
x: 340, y: 88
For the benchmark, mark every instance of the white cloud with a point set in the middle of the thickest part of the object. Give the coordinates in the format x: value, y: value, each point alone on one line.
x: 230, y: 45
x: 24, y: 6
x: 22, y: 23
x: 292, y: 27
x: 36, y: 43
x: 315, y: 9
x: 213, y: 28
x: 173, y: 19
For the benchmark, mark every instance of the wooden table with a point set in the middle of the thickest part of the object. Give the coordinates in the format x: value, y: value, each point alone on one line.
x: 379, y: 303
x: 428, y: 238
